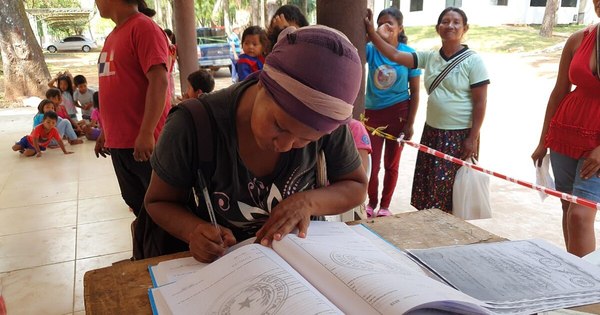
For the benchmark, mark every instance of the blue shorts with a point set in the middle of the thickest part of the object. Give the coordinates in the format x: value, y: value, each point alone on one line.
x: 26, y: 145
x: 566, y: 177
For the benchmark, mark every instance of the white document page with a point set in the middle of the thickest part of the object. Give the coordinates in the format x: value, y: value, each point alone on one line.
x: 399, y: 255
x: 361, y: 279
x: 250, y: 280
x: 169, y: 271
x: 525, y: 275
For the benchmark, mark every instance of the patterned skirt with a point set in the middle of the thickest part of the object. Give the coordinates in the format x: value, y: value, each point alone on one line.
x: 434, y: 177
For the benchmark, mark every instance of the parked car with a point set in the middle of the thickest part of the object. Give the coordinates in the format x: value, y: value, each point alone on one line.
x: 76, y: 42
x: 214, y: 50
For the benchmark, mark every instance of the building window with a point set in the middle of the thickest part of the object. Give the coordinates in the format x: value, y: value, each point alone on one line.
x: 568, y: 3
x: 500, y: 2
x: 454, y: 3
x: 537, y: 3
x: 416, y: 5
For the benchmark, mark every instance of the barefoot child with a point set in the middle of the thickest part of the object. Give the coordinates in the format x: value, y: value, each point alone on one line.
x: 82, y: 97
x: 40, y: 137
x: 65, y: 129
x: 55, y: 96
x: 92, y: 129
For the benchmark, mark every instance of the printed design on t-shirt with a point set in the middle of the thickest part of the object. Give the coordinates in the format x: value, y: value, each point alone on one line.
x: 106, y: 65
x: 365, y: 140
x: 384, y: 77
x: 254, y: 212
x: 291, y: 185
x: 222, y: 201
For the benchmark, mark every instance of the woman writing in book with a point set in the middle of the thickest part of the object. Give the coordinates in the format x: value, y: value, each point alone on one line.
x: 455, y: 106
x: 266, y: 134
x: 572, y: 132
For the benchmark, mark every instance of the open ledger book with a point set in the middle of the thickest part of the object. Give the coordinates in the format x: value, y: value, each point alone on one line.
x: 340, y: 269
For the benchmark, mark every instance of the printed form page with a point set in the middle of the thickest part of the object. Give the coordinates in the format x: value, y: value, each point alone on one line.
x: 517, y: 276
x: 250, y: 280
x: 361, y: 279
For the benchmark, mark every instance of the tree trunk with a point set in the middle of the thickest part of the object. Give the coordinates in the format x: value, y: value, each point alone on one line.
x: 214, y: 17
x: 226, y: 22
x: 272, y: 6
x: 261, y: 11
x: 303, y: 5
x: 25, y: 70
x: 254, y: 16
x: 549, y: 18
x: 351, y: 24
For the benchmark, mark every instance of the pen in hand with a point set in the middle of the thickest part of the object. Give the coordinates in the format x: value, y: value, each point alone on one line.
x: 209, y: 207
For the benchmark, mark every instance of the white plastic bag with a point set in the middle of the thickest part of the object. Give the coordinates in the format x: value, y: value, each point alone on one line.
x: 471, y: 194
x: 542, y: 176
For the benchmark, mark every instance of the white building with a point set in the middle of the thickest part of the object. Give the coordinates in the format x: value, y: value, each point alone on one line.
x: 491, y: 12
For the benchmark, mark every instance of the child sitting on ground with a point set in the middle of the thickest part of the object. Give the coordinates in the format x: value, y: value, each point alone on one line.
x: 56, y: 97
x: 92, y: 129
x: 198, y: 83
x: 40, y: 137
x: 64, y: 82
x: 82, y: 97
x: 254, y: 43
x: 62, y: 125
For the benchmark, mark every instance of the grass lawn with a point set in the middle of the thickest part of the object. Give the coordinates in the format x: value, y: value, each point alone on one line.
x: 497, y: 39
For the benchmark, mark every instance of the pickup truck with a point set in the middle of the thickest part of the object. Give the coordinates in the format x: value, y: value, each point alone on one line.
x: 214, y: 51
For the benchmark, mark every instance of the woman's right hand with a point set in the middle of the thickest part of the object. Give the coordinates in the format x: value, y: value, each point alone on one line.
x: 538, y: 155
x: 207, y: 243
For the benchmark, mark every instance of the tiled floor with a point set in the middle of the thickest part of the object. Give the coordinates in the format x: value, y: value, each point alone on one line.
x: 62, y: 215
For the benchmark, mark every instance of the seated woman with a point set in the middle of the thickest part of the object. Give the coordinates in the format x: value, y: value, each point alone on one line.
x: 267, y: 132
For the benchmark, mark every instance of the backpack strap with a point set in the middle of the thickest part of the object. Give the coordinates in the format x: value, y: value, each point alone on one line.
x: 457, y: 60
x: 205, y: 135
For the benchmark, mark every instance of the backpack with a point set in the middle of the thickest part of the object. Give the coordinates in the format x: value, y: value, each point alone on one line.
x: 149, y: 239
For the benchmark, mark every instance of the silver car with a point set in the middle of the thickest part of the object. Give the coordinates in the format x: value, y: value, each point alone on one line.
x: 77, y: 42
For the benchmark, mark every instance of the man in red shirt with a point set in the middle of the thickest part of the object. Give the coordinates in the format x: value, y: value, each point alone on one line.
x: 133, y: 84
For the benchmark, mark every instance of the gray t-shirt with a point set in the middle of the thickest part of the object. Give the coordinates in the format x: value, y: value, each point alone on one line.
x: 84, y: 98
x: 241, y: 200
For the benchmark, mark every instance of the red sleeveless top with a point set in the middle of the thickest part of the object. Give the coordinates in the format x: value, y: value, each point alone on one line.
x: 575, y: 128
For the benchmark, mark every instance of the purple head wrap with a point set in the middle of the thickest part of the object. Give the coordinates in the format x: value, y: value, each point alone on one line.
x: 314, y: 74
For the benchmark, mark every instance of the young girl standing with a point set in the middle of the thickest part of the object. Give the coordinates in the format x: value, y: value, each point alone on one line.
x: 392, y: 100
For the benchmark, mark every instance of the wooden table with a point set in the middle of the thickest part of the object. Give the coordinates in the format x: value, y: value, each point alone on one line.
x: 123, y: 287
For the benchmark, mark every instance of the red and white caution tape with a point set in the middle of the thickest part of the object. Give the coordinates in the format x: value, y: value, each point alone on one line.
x: 570, y: 198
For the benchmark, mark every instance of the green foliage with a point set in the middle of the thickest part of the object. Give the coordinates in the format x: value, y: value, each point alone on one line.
x: 43, y: 4
x: 204, y: 11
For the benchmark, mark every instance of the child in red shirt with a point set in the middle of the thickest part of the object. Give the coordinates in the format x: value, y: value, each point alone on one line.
x: 40, y: 137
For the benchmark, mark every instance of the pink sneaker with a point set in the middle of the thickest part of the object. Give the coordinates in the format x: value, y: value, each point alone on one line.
x: 384, y: 212
x: 369, y: 211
